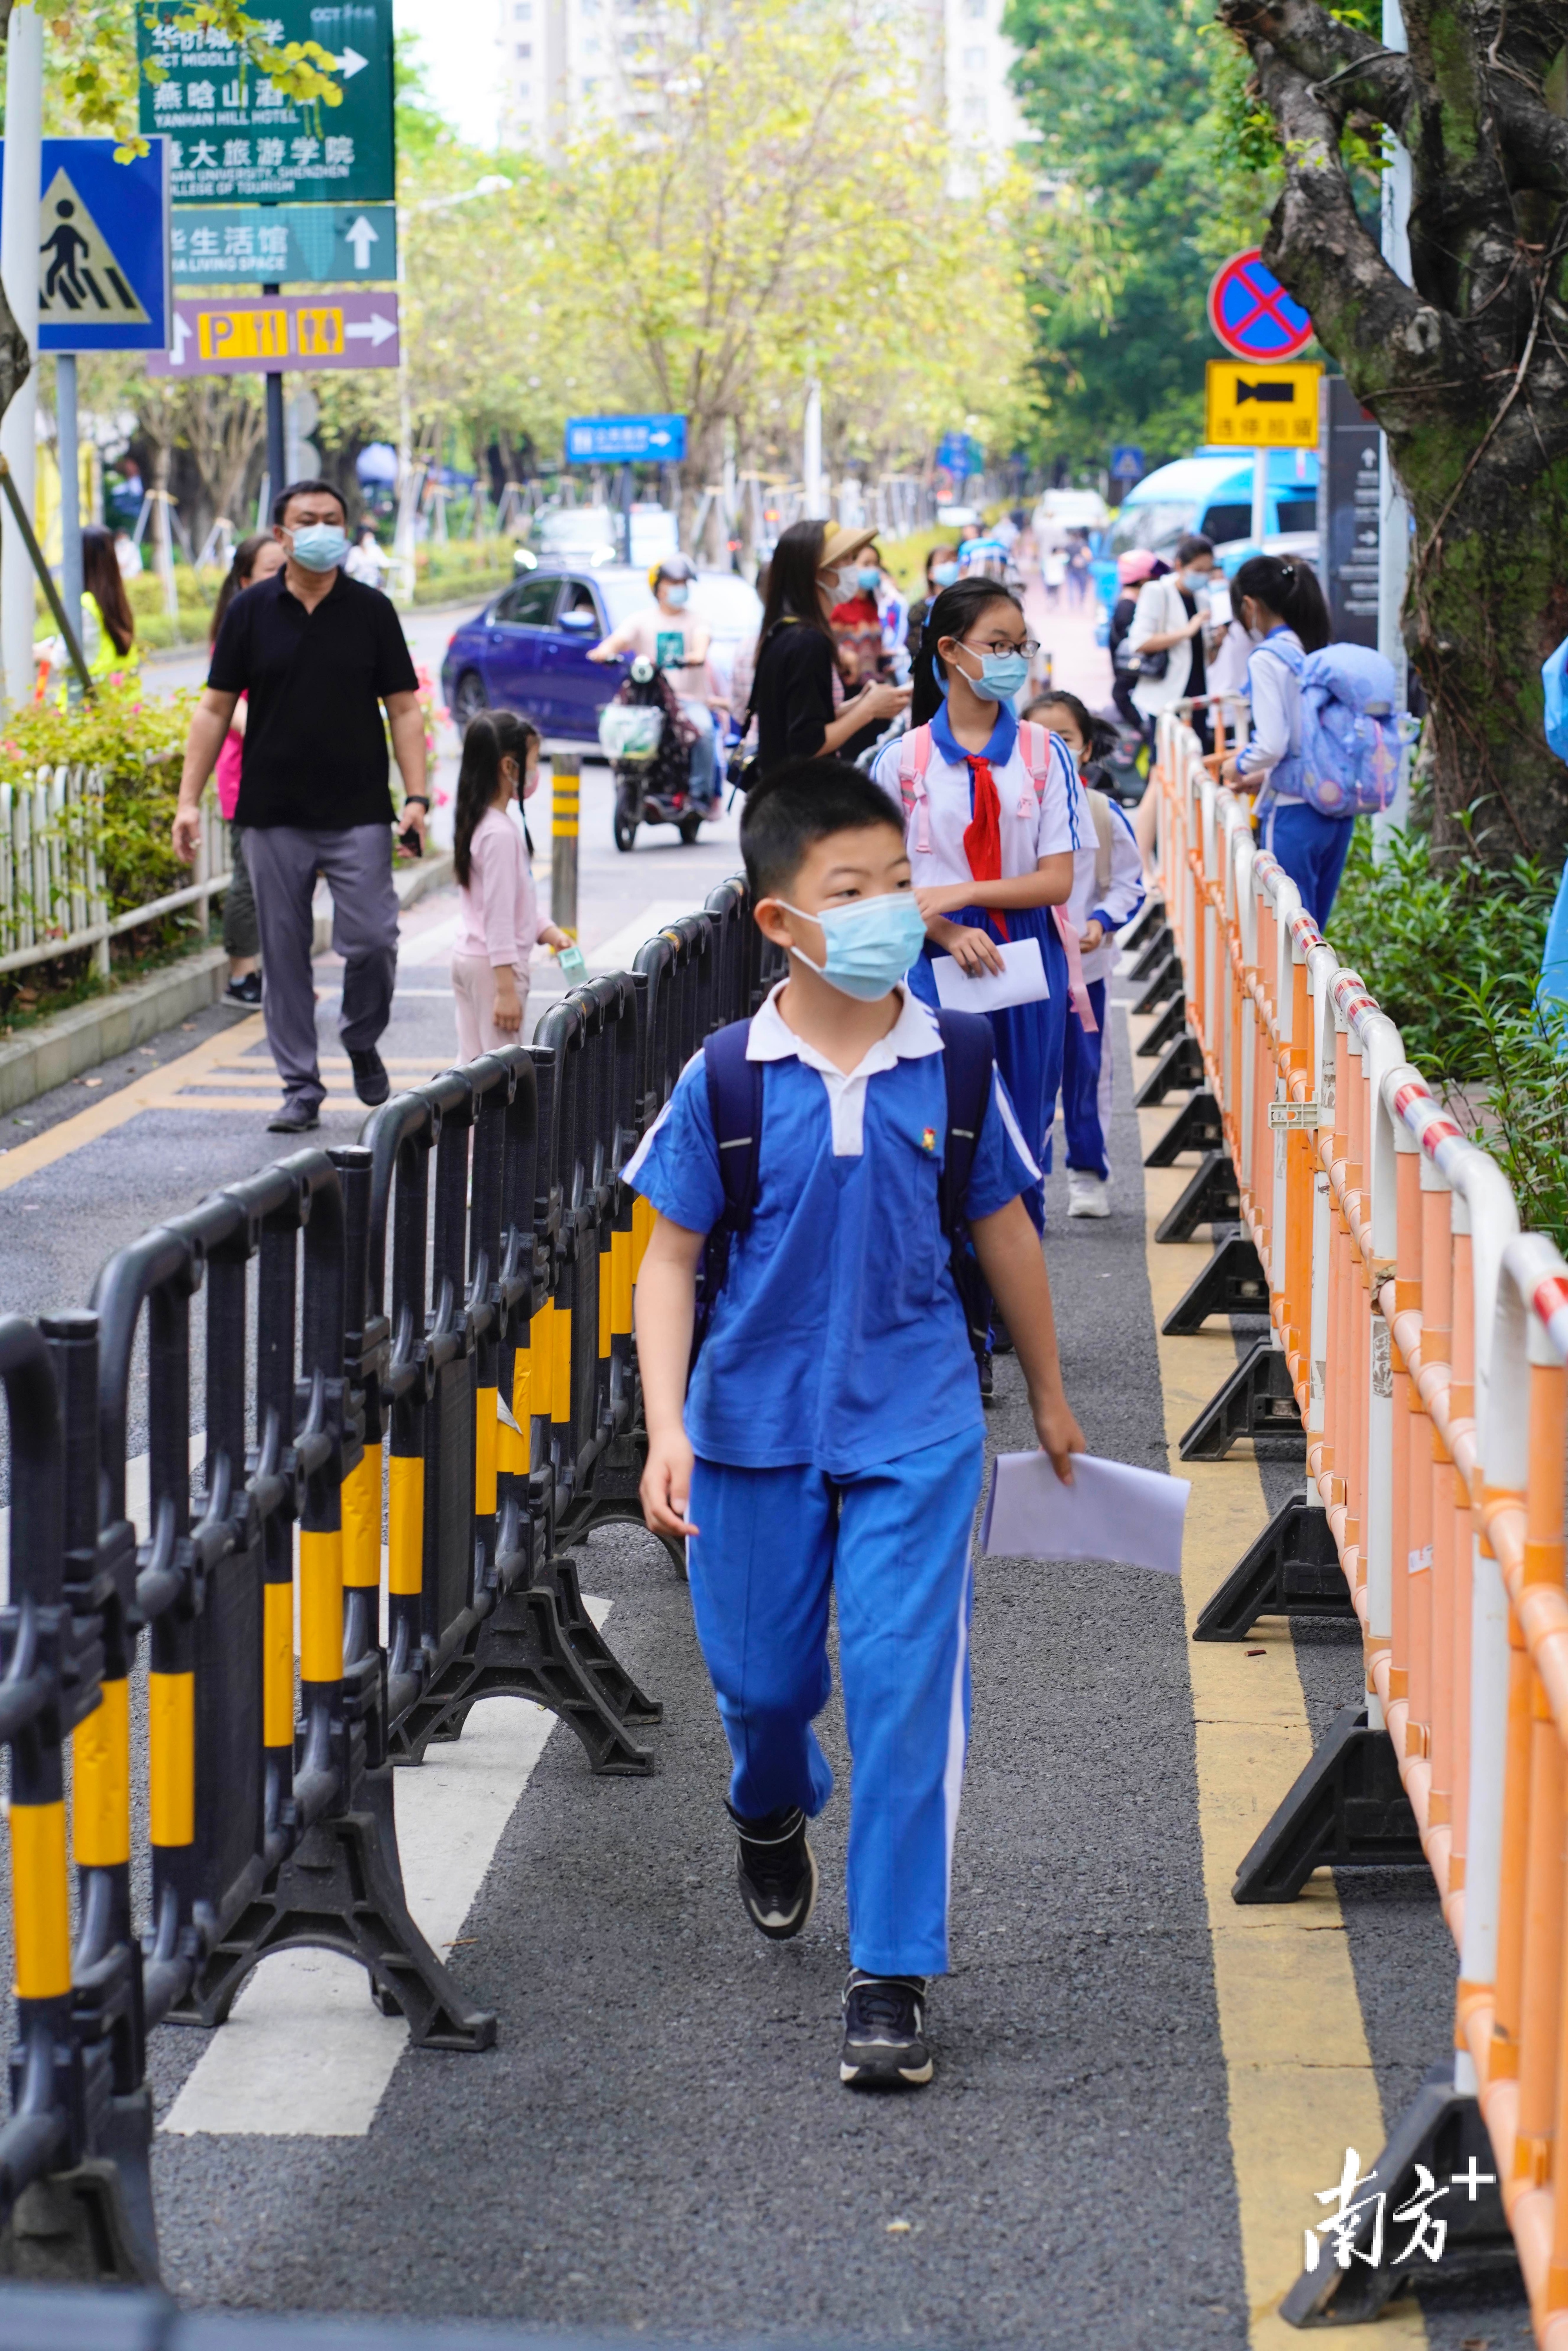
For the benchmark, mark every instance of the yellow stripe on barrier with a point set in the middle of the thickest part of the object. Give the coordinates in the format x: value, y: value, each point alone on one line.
x: 41, y: 1900
x: 620, y: 1249
x: 320, y: 1605
x: 560, y: 1376
x: 512, y: 1449
x: 485, y: 1426
x: 101, y: 1782
x: 405, y: 1524
x: 605, y: 1278
x: 172, y: 1757
x: 362, y: 1492
x: 277, y: 1664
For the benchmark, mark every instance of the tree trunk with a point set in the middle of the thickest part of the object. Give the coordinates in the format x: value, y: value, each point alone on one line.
x: 1467, y: 369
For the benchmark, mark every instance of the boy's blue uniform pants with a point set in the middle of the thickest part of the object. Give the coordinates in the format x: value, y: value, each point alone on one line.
x: 893, y: 1543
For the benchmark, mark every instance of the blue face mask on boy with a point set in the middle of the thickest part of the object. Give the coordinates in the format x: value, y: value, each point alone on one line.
x: 872, y: 942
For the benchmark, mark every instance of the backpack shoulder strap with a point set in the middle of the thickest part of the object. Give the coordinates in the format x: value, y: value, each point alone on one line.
x: 914, y: 758
x: 969, y: 1056
x: 1104, y: 825
x: 734, y: 1107
x: 1034, y: 742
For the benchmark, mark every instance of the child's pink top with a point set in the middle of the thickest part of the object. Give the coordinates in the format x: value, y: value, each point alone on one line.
x: 226, y: 775
x: 500, y: 914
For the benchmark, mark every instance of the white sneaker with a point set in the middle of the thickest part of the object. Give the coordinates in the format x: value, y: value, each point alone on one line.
x: 1087, y: 1195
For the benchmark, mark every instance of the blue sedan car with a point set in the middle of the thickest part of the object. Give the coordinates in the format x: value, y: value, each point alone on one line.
x: 527, y: 650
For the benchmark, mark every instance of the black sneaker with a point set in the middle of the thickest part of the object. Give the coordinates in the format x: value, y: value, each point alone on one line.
x: 372, y: 1083
x: 293, y: 1117
x: 777, y: 1872
x: 245, y: 991
x: 885, y: 2032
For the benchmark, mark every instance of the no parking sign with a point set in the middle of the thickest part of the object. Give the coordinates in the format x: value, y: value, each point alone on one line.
x: 1251, y: 313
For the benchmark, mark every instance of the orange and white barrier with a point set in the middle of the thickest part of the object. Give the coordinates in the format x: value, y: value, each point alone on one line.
x: 1426, y: 1340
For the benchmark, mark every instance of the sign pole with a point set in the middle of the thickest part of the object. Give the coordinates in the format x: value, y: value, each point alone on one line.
x: 277, y: 449
x: 566, y: 783
x: 19, y: 241
x: 1259, y: 497
x: 68, y: 443
x: 1394, y: 515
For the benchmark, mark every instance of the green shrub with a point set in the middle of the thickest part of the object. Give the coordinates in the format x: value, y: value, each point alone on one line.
x: 1451, y: 950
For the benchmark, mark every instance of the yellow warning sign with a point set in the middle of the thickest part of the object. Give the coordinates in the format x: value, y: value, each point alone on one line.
x: 1262, y: 407
x: 250, y: 333
x: 79, y: 276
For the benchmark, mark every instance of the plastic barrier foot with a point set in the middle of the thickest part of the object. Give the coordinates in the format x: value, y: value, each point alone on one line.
x: 1257, y: 1401
x: 1442, y: 2134
x: 1348, y: 1810
x: 1293, y: 1570
x: 1232, y: 1282
x: 1170, y: 1026
x: 1211, y: 1197
x: 94, y: 2224
x: 341, y: 1890
x: 1197, y: 1126
x: 1153, y: 938
x: 1165, y: 982
x: 1177, y: 1071
x: 540, y: 1643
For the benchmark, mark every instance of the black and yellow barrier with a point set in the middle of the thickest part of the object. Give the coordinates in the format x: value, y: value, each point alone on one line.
x: 417, y: 1379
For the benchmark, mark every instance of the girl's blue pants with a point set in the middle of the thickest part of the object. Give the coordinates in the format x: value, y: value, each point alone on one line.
x: 892, y: 1545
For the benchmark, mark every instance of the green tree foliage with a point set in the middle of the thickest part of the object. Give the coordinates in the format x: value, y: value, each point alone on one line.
x: 1144, y: 130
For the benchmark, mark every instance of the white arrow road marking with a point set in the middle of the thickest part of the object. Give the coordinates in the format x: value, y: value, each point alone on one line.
x: 361, y: 237
x: 306, y: 2054
x: 349, y: 63
x: 374, y: 329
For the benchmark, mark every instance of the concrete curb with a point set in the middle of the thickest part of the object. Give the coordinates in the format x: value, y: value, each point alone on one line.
x: 68, y: 1044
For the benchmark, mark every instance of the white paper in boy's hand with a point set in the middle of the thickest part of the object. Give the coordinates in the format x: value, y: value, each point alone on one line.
x: 1021, y: 980
x: 1110, y: 1511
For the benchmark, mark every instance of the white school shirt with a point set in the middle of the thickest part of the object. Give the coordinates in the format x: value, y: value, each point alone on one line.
x: 1033, y: 826
x: 1122, y: 896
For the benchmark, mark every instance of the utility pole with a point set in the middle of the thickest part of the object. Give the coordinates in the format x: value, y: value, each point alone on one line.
x: 1393, y: 513
x: 68, y: 441
x: 811, y: 454
x: 20, y: 269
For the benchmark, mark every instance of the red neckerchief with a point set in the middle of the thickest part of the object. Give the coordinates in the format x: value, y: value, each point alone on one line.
x: 983, y: 834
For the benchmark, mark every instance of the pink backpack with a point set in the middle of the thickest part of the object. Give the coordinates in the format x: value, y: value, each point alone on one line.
x: 1034, y: 742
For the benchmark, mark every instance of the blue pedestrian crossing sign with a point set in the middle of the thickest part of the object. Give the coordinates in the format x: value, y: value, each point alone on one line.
x: 625, y: 440
x: 103, y: 247
x: 1128, y: 463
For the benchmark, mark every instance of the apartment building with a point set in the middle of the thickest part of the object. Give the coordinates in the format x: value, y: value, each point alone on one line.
x: 567, y: 63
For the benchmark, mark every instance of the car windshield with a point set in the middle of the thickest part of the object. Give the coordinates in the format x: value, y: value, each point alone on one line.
x: 577, y: 526
x: 1159, y: 523
x: 623, y: 594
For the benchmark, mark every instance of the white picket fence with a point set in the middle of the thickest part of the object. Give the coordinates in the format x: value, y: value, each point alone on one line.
x: 51, y: 890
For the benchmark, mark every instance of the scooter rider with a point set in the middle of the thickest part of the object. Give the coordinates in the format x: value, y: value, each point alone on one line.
x: 667, y: 633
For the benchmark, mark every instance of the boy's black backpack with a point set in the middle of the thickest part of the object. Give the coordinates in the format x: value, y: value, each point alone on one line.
x: 734, y: 1107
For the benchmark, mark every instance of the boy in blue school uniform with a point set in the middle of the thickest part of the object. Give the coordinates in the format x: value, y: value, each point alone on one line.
x: 833, y: 1434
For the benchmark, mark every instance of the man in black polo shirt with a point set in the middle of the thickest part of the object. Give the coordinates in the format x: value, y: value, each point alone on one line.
x: 317, y: 654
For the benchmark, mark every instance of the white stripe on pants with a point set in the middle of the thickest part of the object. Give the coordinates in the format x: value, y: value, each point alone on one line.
x: 474, y: 1001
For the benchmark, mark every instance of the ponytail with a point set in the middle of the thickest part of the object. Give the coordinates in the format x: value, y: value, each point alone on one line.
x: 954, y: 611
x: 1286, y: 585
x: 490, y: 736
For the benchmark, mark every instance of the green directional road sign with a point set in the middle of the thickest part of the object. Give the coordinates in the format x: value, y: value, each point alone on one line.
x: 235, y: 139
x: 285, y: 244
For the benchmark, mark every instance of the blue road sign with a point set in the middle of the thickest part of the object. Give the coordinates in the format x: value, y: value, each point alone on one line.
x: 103, y: 234
x: 960, y: 453
x: 625, y: 440
x: 1127, y: 462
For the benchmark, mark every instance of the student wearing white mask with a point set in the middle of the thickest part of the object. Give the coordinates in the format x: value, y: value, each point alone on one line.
x: 1168, y: 634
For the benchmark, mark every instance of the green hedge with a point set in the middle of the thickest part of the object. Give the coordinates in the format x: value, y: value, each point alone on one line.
x: 1451, y: 949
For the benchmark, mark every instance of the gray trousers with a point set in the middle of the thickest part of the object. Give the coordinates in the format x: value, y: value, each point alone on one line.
x: 356, y: 864
x: 240, y: 936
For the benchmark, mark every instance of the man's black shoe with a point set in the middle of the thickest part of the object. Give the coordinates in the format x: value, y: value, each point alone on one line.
x: 372, y: 1083
x: 777, y: 1872
x: 245, y: 991
x: 293, y: 1117
x: 885, y: 2032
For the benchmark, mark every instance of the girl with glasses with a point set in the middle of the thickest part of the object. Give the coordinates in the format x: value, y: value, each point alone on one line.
x: 993, y: 814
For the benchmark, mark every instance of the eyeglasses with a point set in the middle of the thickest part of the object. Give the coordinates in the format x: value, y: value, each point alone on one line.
x: 1029, y: 647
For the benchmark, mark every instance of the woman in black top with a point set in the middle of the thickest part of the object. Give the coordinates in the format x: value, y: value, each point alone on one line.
x: 792, y: 692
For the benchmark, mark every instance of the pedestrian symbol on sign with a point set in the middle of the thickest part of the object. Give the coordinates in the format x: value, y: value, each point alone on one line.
x: 80, y: 275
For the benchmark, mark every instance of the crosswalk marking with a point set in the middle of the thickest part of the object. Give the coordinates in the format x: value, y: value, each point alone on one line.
x: 306, y: 2054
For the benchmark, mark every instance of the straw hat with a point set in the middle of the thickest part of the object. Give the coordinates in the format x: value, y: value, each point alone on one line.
x: 839, y: 543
